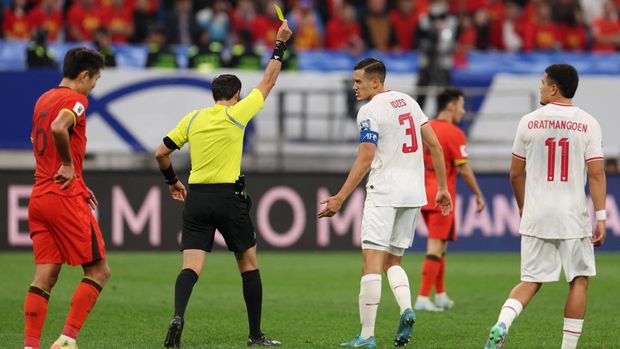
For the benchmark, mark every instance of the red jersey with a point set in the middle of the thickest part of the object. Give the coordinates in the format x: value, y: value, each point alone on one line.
x: 50, y: 21
x: 16, y: 25
x: 404, y: 28
x: 49, y: 105
x: 603, y: 28
x: 574, y: 38
x: 453, y: 142
x: 546, y: 36
x: 85, y: 21
x: 339, y: 34
x: 117, y: 21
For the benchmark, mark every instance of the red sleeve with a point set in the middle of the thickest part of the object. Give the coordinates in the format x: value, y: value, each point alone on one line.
x: 76, y: 104
x: 458, y: 147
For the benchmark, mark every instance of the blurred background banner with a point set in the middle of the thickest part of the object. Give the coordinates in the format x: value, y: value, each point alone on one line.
x: 136, y: 213
x: 131, y: 110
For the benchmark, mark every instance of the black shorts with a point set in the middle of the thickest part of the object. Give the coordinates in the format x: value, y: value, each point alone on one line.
x: 216, y: 206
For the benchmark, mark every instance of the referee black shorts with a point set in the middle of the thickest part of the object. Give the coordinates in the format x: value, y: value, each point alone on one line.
x: 216, y: 206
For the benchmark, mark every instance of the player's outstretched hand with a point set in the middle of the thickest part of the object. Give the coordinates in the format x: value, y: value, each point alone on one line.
x: 177, y: 191
x: 92, y: 200
x: 480, y: 203
x: 443, y: 201
x: 333, y: 204
x: 284, y: 32
x: 65, y: 175
x: 599, y: 233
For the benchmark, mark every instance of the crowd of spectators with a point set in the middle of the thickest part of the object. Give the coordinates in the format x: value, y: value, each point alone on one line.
x: 241, y: 30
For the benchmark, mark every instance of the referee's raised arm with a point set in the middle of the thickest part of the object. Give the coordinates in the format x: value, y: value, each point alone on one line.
x: 275, y: 63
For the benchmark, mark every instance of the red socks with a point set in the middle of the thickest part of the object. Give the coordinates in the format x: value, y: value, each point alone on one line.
x: 82, y: 302
x: 35, y: 310
x: 430, y: 270
x: 439, y: 287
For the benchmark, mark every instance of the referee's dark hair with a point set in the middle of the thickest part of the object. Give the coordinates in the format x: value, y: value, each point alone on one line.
x: 448, y: 95
x: 225, y: 86
x: 565, y: 77
x: 79, y: 59
x: 372, y: 66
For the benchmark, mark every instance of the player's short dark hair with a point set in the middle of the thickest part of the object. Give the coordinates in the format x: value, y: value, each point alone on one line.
x: 372, y: 66
x: 565, y: 77
x: 225, y: 86
x: 447, y: 96
x: 79, y: 59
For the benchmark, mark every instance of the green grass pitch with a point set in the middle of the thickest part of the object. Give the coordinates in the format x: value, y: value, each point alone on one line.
x: 310, y: 301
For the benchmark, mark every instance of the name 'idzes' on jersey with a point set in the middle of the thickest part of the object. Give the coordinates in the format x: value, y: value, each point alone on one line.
x: 392, y: 121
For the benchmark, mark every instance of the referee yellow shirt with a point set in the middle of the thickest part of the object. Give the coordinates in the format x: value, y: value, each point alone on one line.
x: 215, y: 136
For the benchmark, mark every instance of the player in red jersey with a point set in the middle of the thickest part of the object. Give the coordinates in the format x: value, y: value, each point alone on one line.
x: 441, y: 229
x: 62, y: 226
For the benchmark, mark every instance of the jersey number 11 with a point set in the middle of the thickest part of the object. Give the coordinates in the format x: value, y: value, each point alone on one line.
x: 550, y: 143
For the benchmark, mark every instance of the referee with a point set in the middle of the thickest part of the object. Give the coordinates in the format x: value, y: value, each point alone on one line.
x: 216, y: 197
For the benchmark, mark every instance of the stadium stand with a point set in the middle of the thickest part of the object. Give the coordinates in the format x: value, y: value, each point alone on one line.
x: 492, y: 37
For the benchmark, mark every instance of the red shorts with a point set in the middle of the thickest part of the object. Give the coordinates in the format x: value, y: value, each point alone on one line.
x: 439, y: 226
x: 64, y: 230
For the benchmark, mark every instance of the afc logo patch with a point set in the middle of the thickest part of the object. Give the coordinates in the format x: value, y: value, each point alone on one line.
x: 371, y: 137
x: 78, y: 108
x: 464, y: 151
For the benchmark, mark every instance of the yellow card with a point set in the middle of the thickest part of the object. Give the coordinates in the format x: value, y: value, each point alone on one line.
x: 279, y: 12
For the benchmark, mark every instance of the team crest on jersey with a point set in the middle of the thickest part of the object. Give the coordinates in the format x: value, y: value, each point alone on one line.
x: 78, y: 108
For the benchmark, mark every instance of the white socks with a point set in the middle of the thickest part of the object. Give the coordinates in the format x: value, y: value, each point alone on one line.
x: 66, y: 339
x: 510, y: 310
x: 572, y: 331
x: 399, y: 283
x: 370, y: 295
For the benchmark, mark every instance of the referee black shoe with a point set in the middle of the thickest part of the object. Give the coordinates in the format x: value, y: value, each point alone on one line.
x: 263, y: 341
x: 173, y: 338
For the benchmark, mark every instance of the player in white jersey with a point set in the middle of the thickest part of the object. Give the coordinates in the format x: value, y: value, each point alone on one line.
x: 556, y: 146
x: 392, y: 127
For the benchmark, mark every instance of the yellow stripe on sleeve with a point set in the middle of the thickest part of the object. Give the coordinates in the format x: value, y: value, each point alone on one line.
x: 460, y: 162
x: 72, y: 113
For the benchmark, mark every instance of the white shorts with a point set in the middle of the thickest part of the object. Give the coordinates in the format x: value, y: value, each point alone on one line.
x: 543, y: 259
x: 388, y: 228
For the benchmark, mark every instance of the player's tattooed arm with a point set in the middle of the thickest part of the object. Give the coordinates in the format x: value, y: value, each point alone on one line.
x: 60, y: 131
